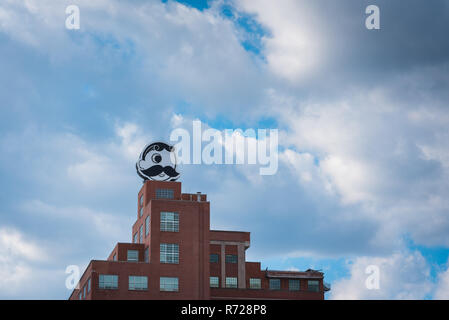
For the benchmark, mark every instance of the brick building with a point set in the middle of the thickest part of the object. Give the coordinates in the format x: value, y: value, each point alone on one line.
x: 175, y: 255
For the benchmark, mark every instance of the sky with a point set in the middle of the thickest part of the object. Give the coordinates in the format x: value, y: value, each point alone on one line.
x: 362, y: 115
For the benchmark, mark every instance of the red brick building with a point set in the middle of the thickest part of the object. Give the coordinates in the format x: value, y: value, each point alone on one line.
x: 175, y: 255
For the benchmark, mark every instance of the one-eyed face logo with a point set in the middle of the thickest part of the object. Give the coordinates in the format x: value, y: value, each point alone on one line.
x: 157, y: 162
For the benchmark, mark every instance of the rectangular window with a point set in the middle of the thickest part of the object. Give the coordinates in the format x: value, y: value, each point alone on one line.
x: 84, y: 292
x: 135, y: 238
x: 231, y: 282
x: 88, y: 285
x: 293, y: 285
x: 275, y: 284
x: 214, y: 282
x: 169, y: 253
x: 169, y: 284
x: 138, y: 283
x: 231, y: 258
x: 164, y: 194
x: 140, y: 212
x: 115, y: 257
x: 141, y: 233
x: 147, y: 255
x: 141, y: 200
x: 108, y: 281
x: 213, y: 258
x: 80, y: 296
x: 313, y: 285
x: 133, y: 255
x: 147, y: 226
x: 255, y: 283
x: 170, y: 221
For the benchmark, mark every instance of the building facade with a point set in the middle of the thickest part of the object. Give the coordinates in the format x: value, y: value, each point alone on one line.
x: 175, y: 255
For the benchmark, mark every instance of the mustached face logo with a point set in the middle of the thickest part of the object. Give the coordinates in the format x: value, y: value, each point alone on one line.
x: 155, y: 163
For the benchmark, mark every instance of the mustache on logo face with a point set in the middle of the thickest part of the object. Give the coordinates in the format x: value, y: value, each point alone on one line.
x: 157, y: 169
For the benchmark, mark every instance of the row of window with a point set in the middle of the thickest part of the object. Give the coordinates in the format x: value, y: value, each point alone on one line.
x: 169, y: 222
x: 85, y: 291
x: 160, y: 194
x: 110, y: 281
x: 229, y: 258
x: 169, y: 253
x: 274, y: 284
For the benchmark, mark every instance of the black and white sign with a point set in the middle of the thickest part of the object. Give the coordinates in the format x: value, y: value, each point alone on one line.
x: 157, y: 162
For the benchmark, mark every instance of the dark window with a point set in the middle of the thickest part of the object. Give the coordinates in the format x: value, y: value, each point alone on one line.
x: 214, y: 282
x: 164, y: 194
x: 137, y: 282
x: 255, y: 283
x: 231, y: 258
x: 275, y: 284
x: 108, y: 281
x: 170, y: 221
x: 133, y: 255
x: 313, y: 285
x: 169, y: 253
x: 293, y: 285
x: 147, y: 255
x: 141, y: 234
x: 147, y: 226
x: 169, y: 284
x: 214, y: 258
x: 231, y: 282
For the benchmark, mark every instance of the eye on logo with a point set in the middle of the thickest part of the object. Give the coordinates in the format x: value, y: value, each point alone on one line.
x: 157, y: 162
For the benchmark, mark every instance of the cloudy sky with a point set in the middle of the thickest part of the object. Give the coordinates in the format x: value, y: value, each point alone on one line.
x: 362, y: 115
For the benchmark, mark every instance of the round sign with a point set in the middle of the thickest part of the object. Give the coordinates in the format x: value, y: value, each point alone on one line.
x: 157, y: 162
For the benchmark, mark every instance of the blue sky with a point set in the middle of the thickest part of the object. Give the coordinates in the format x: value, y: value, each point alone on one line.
x: 362, y: 116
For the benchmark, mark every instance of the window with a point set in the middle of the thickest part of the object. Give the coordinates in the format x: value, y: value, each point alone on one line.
x: 133, y: 255
x: 140, y: 212
x: 88, y: 285
x: 147, y: 255
x: 135, y: 238
x: 141, y: 200
x: 231, y: 282
x: 164, y: 194
x: 147, y: 226
x: 84, y: 292
x: 170, y: 221
x: 115, y: 257
x: 231, y: 258
x: 138, y: 283
x: 80, y: 296
x: 169, y: 253
x: 213, y: 258
x: 293, y: 285
x: 255, y: 283
x: 141, y: 233
x: 313, y: 285
x: 275, y: 284
x: 214, y: 282
x: 168, y: 284
x: 108, y: 281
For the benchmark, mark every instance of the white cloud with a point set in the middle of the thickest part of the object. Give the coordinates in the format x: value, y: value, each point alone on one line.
x: 108, y: 226
x: 17, y: 255
x: 442, y: 288
x: 295, y: 46
x: 402, y: 276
